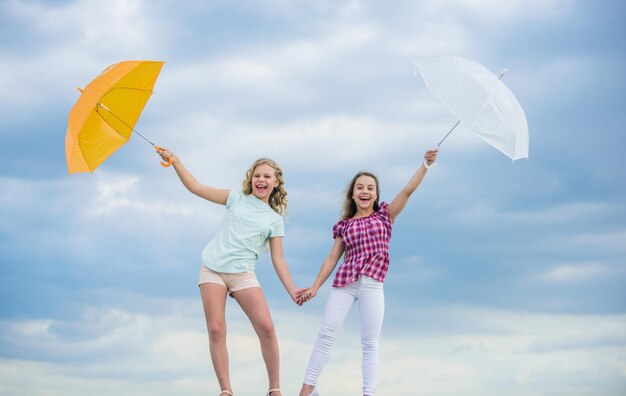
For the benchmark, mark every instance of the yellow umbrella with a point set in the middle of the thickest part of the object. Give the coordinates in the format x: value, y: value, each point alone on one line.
x: 105, y: 114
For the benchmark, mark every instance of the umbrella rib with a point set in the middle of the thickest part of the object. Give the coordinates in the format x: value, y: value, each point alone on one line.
x: 131, y: 88
x: 98, y: 105
x: 482, y: 108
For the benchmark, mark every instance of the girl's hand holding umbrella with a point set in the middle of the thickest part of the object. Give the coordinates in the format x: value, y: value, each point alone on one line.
x: 430, y: 157
x: 166, y: 155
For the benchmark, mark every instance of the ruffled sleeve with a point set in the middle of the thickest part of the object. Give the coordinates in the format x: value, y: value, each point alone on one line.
x: 339, y: 228
x: 383, y: 211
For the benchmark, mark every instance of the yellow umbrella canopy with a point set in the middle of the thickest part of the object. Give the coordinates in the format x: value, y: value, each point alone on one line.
x: 105, y: 114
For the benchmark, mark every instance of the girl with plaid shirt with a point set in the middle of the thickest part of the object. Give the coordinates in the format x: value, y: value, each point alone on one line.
x: 363, y: 234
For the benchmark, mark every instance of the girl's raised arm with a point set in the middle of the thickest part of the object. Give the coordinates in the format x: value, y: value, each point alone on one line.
x: 398, y: 203
x: 217, y: 195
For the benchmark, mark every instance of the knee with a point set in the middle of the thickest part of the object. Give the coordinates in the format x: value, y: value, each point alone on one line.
x: 327, y: 332
x: 266, y: 330
x: 326, y: 337
x: 369, y: 344
x: 217, y: 332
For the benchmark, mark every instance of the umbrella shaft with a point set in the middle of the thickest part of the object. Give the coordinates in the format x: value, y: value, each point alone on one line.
x: 142, y: 136
x: 449, y: 132
x: 122, y: 121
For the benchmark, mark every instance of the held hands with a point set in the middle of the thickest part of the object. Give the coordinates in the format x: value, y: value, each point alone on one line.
x: 302, y: 295
x: 307, y: 294
x: 296, y: 295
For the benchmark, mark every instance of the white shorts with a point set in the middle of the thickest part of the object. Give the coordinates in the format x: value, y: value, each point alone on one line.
x: 232, y: 282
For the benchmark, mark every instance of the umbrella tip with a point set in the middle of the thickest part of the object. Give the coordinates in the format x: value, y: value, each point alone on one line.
x: 79, y: 89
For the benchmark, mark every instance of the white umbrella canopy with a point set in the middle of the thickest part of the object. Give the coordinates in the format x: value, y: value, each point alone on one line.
x: 479, y: 100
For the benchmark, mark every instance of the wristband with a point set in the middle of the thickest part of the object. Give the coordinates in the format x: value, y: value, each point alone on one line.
x: 429, y: 166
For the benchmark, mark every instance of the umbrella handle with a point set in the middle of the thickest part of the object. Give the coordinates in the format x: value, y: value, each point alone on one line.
x: 168, y: 163
x: 169, y: 158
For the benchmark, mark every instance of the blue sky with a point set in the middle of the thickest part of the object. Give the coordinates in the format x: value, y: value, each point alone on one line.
x: 505, y: 278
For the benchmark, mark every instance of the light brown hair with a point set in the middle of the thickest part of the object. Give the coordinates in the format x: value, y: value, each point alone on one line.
x: 349, y: 206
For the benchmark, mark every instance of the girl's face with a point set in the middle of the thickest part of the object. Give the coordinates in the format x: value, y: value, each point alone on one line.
x: 263, y: 182
x: 364, y: 193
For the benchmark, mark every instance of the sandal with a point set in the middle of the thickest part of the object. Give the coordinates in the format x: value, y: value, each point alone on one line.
x: 229, y: 393
x: 269, y: 392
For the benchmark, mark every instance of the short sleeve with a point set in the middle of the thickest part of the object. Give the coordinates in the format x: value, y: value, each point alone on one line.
x: 232, y: 196
x: 339, y: 228
x: 278, y: 229
x: 383, y: 211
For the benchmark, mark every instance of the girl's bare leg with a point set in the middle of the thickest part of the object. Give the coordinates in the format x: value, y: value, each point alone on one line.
x: 214, y: 303
x: 253, y: 303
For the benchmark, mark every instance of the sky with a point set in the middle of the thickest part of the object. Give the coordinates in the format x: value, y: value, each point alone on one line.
x: 505, y: 278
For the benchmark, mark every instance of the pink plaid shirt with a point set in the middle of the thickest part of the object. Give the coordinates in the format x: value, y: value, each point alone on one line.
x: 366, y: 241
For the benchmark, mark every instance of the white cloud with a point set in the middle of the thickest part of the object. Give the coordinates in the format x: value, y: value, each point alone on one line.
x: 505, y: 352
x: 498, y: 11
x: 603, y: 241
x: 484, y: 213
x: 284, y: 73
x: 104, y: 220
x: 577, y: 272
x: 432, y: 37
x: 306, y: 145
x: 117, y: 194
x: 561, y: 75
x: 71, y: 43
x: 485, y: 351
x: 417, y: 270
x: 325, y: 98
x: 122, y: 25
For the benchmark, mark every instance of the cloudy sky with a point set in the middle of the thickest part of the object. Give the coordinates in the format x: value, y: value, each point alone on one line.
x: 506, y: 278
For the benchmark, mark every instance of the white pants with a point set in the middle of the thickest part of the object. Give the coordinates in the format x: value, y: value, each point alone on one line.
x: 369, y: 293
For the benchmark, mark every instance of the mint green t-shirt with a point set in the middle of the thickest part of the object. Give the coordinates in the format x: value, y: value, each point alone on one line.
x: 240, y: 239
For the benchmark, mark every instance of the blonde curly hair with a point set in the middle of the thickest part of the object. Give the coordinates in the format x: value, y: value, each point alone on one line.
x: 278, y: 197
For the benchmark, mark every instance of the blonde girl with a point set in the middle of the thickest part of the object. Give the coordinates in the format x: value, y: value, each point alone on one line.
x: 253, y: 221
x: 363, y: 234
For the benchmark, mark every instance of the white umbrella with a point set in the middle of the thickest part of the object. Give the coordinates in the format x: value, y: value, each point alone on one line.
x: 479, y: 100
